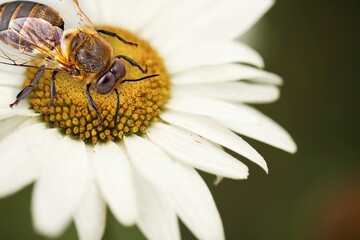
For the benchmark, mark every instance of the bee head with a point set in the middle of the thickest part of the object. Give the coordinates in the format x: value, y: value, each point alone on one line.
x: 108, y: 81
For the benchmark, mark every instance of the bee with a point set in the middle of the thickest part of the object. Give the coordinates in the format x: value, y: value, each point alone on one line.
x: 37, y: 31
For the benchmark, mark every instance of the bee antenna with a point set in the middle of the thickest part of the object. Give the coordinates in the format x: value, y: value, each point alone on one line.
x: 118, y: 96
x: 140, y: 79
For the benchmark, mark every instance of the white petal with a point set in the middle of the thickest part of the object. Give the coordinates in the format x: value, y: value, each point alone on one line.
x: 173, y: 15
x: 90, y: 215
x: 111, y: 13
x: 251, y: 12
x: 143, y: 13
x: 194, y: 151
x: 92, y: 10
x: 149, y: 161
x: 22, y: 155
x: 60, y: 187
x: 130, y: 14
x: 211, y: 108
x: 211, y: 53
x: 266, y: 130
x: 225, y: 73
x: 7, y: 96
x: 10, y: 78
x: 9, y: 113
x: 9, y: 125
x: 230, y: 91
x: 160, y: 21
x: 157, y: 219
x: 215, y: 132
x: 195, y: 205
x: 113, y: 174
x: 229, y: 18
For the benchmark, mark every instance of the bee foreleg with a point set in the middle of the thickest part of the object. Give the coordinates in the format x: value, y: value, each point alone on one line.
x: 93, y: 105
x: 28, y: 89
x: 112, y: 34
x: 52, y: 88
x: 117, y: 105
x: 132, y: 62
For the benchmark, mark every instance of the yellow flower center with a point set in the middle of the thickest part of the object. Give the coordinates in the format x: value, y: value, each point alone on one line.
x: 140, y: 102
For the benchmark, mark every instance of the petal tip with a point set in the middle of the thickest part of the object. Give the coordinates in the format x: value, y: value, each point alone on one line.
x: 293, y: 149
x: 265, y: 168
x: 47, y: 229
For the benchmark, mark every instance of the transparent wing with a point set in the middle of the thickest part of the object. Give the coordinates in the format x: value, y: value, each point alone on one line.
x: 10, y: 58
x: 70, y: 12
x: 16, y: 41
x: 83, y: 18
x: 30, y: 42
x: 29, y: 34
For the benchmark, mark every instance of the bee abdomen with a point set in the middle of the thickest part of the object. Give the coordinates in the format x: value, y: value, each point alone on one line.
x: 23, y: 9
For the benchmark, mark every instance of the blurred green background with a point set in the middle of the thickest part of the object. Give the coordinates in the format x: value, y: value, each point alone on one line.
x: 315, y: 194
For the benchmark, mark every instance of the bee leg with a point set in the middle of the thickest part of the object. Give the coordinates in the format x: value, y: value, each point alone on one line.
x: 52, y: 88
x: 117, y: 106
x: 112, y: 34
x: 28, y: 89
x: 132, y: 62
x: 93, y: 105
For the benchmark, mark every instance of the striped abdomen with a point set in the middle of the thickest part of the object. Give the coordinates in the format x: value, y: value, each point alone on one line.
x: 23, y: 9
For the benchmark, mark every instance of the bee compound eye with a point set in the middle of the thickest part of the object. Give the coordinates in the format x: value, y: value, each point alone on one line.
x: 118, y: 69
x: 105, y: 83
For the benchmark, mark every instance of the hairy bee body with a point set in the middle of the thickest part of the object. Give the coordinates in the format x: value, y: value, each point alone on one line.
x: 88, y: 52
x: 24, y: 9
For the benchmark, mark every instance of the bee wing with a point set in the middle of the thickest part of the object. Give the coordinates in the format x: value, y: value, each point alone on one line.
x: 29, y: 34
x: 30, y: 42
x: 84, y: 20
x: 70, y: 12
x: 10, y: 58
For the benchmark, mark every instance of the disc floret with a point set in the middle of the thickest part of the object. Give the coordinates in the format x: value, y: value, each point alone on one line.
x: 140, y: 102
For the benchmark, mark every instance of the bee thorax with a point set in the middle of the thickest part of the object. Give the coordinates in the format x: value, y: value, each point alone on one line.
x: 88, y: 52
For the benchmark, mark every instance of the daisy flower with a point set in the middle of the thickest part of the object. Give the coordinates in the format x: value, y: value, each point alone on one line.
x: 144, y: 164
